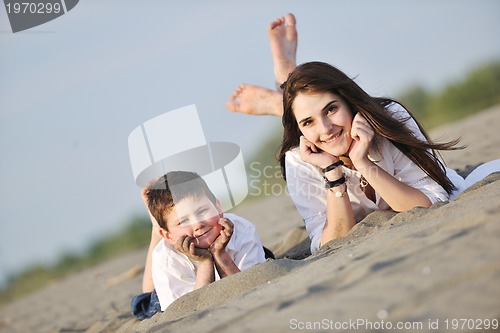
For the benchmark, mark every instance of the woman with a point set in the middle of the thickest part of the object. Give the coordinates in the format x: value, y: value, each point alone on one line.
x: 346, y: 154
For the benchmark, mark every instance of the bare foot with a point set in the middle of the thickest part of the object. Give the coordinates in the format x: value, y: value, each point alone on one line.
x: 255, y: 100
x: 283, y: 39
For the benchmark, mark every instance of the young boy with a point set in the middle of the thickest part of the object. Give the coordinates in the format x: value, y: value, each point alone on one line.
x: 192, y: 242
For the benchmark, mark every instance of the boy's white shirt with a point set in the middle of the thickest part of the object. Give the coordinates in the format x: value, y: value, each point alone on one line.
x: 174, y: 274
x: 307, y: 191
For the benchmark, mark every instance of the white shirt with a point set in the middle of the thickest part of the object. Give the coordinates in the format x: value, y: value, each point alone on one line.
x: 306, y: 188
x: 174, y: 274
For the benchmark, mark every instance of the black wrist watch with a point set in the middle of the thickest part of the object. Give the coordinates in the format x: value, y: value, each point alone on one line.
x: 329, y: 184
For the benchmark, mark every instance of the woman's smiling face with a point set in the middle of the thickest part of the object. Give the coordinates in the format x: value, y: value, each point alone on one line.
x: 325, y: 120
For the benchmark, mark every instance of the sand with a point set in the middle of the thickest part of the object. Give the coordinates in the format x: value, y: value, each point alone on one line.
x: 421, y: 269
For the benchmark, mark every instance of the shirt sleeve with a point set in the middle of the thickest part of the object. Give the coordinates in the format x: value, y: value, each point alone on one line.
x: 407, y: 171
x: 173, y: 277
x: 245, y: 246
x: 306, y: 189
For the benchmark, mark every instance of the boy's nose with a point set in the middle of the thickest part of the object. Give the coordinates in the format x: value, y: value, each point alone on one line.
x: 198, y: 224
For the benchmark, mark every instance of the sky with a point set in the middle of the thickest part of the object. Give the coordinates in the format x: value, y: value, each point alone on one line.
x: 73, y: 89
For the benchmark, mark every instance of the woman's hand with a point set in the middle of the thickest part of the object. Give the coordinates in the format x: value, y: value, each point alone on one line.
x: 309, y: 153
x: 362, y: 134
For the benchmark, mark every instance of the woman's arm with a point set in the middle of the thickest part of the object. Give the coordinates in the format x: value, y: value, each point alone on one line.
x: 339, y: 214
x: 398, y: 195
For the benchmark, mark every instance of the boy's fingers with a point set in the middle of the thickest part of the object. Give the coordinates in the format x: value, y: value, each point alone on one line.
x: 223, y: 223
x: 180, y: 243
x: 223, y: 236
x: 227, y: 224
x: 186, y: 243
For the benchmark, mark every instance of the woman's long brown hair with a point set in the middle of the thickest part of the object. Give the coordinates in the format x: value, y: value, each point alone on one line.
x: 319, y: 77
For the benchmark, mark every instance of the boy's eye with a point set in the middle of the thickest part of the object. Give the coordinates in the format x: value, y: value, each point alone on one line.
x: 202, y: 211
x: 183, y: 221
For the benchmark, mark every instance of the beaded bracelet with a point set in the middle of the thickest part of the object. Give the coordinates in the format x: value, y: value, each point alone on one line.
x: 339, y: 194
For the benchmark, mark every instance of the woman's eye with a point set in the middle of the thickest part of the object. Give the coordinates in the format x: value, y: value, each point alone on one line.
x: 331, y: 109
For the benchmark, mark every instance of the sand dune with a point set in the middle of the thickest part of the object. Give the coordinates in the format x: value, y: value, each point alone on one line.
x: 420, y: 269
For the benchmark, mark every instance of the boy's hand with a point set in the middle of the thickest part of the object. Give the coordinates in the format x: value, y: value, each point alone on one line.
x: 185, y: 244
x: 225, y: 235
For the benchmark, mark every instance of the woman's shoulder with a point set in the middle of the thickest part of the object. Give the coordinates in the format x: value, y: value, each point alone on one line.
x: 296, y: 168
x: 293, y: 153
x: 292, y: 158
x: 397, y: 110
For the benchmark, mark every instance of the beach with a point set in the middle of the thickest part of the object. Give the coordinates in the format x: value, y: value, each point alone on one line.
x: 424, y: 270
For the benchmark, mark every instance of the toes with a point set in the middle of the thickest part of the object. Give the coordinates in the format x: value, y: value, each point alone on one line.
x: 276, y: 23
x: 290, y: 19
x: 233, y: 106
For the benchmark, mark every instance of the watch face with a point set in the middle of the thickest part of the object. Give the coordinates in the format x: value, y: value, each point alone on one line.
x: 325, y: 182
x: 328, y: 184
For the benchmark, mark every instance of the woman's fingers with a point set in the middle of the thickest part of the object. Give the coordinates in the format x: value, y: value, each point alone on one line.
x: 361, y: 129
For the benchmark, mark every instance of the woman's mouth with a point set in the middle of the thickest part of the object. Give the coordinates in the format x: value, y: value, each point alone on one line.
x: 333, y: 137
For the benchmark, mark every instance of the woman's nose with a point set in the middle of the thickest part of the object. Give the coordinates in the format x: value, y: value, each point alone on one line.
x: 326, y: 125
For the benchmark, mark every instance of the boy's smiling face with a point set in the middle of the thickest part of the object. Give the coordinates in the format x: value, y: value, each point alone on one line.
x: 194, y: 217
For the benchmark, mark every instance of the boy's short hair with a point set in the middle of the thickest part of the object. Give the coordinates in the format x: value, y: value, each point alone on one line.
x: 173, y: 187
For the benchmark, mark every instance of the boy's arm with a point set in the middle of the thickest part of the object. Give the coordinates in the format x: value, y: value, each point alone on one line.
x: 147, y: 278
x: 223, y: 262
x: 205, y: 273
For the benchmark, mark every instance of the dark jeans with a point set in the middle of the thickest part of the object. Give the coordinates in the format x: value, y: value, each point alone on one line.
x: 145, y: 305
